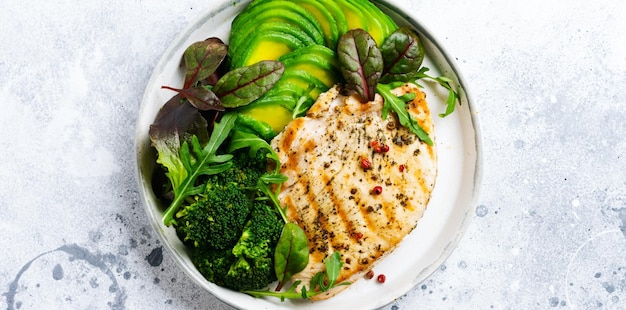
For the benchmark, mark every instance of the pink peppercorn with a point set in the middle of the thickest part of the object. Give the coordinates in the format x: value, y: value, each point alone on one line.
x: 381, y: 278
x: 377, y: 190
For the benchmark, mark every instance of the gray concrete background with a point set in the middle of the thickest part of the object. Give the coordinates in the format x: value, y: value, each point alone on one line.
x: 548, y: 79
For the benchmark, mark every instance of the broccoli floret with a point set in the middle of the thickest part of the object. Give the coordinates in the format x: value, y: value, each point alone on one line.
x: 250, y: 263
x: 254, y: 268
x: 260, y: 233
x: 213, y: 264
x: 217, y: 218
x: 250, y: 274
x: 246, y: 170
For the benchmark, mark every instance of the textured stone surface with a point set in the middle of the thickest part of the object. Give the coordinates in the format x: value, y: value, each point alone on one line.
x: 547, y: 79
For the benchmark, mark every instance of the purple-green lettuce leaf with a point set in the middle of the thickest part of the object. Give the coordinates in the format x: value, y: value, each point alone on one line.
x: 202, y: 59
x: 403, y: 54
x: 201, y: 98
x: 176, y: 122
x: 361, y: 62
x: 243, y: 85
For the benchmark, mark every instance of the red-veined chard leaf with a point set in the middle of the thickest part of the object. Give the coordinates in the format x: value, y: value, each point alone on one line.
x: 361, y: 62
x: 202, y: 59
x: 291, y: 254
x: 200, y: 97
x: 403, y: 54
x: 243, y: 85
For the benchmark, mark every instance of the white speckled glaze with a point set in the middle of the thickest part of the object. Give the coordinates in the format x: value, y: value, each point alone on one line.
x: 422, y: 252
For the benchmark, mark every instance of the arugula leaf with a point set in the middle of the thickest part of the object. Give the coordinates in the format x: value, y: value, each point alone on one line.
x: 453, y: 96
x: 243, y: 85
x: 393, y: 102
x: 265, y: 186
x: 361, y: 62
x: 403, y: 54
x: 193, y: 162
x: 202, y: 59
x: 241, y: 139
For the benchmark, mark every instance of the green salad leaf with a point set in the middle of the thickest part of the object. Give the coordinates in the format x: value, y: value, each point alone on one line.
x: 398, y: 106
x: 453, y: 96
x: 321, y: 282
x: 292, y: 253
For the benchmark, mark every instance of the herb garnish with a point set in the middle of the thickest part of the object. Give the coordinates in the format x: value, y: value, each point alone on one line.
x: 321, y: 282
x: 398, y: 59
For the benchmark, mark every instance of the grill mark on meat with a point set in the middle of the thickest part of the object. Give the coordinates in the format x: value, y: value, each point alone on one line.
x: 291, y: 133
x: 291, y: 209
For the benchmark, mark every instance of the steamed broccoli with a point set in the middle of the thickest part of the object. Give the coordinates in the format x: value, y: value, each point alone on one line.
x: 233, y: 232
x: 216, y: 218
x: 260, y: 233
x: 213, y: 264
x: 246, y: 169
x: 250, y: 274
x: 250, y: 263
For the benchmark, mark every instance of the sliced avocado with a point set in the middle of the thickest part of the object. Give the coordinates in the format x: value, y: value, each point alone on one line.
x: 285, y: 94
x: 261, y: 12
x: 259, y: 117
x: 325, y: 18
x: 340, y: 18
x: 309, y: 84
x: 317, y: 60
x: 275, y: 26
x: 266, y: 46
x: 321, y: 51
x: 355, y: 19
x: 381, y: 25
x: 302, y: 34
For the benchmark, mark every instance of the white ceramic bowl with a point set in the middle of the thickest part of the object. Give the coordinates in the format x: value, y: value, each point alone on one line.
x: 421, y: 253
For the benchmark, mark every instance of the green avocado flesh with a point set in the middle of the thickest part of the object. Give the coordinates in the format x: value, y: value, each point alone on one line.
x: 303, y: 35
